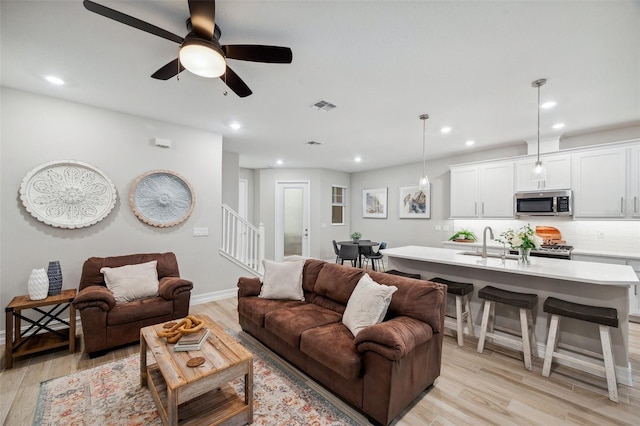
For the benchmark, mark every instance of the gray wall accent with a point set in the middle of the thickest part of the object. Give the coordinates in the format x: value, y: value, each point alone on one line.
x: 321, y: 230
x: 37, y: 129
x: 602, y: 136
x: 399, y: 232
x: 230, y: 173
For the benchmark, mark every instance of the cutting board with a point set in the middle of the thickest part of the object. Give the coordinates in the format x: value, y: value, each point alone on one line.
x: 550, y: 235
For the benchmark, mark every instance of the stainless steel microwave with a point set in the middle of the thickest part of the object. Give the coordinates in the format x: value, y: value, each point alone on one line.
x: 543, y: 203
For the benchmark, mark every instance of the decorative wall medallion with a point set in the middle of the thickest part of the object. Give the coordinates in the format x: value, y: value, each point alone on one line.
x: 68, y: 194
x: 162, y: 198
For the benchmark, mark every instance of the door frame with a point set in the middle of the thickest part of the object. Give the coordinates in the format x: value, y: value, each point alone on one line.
x: 279, y: 216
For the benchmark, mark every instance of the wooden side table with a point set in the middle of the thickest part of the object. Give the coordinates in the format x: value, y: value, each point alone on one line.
x: 31, y: 341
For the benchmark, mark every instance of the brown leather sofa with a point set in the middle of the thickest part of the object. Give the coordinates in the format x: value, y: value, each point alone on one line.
x: 105, y: 324
x: 380, y: 371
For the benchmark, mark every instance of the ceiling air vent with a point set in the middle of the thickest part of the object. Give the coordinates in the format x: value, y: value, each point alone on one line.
x: 323, y: 105
x: 313, y: 143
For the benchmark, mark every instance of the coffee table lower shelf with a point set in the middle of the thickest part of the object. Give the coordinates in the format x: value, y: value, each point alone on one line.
x: 218, y: 406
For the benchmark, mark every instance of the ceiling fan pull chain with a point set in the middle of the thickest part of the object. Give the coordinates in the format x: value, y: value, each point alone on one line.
x: 178, y: 65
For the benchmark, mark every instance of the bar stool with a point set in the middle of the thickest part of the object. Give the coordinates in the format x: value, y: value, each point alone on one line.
x: 462, y: 292
x: 604, y: 317
x: 526, y: 303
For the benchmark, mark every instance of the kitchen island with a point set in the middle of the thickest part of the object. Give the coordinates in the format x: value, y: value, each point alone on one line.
x: 588, y: 283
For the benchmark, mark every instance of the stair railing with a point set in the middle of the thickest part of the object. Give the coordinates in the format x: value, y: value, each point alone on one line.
x: 242, y: 241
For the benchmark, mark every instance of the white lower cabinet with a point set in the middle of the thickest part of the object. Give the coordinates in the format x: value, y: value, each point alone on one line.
x: 634, y: 291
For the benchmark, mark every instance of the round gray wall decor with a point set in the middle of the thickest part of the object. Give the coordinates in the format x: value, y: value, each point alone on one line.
x: 68, y: 194
x: 162, y: 198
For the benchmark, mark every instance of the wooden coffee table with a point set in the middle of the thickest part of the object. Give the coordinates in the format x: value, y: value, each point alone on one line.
x: 199, y: 395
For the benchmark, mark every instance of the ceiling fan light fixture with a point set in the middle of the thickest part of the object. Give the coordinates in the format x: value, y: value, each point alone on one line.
x: 202, y: 57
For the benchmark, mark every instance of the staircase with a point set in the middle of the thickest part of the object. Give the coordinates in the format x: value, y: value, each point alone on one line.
x: 242, y: 242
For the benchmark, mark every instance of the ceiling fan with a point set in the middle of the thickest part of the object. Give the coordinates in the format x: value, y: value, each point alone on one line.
x: 200, y: 51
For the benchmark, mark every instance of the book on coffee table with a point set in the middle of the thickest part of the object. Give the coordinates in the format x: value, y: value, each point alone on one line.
x: 192, y: 342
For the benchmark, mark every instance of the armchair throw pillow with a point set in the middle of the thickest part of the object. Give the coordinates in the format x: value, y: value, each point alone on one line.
x: 367, y: 305
x: 282, y: 280
x: 131, y: 282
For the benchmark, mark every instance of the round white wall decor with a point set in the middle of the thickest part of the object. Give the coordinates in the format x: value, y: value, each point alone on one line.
x: 162, y: 198
x: 68, y: 194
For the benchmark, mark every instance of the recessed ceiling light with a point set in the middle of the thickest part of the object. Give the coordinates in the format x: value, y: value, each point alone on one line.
x: 54, y: 80
x: 558, y: 126
x: 445, y: 129
x: 235, y: 125
x: 357, y: 159
x: 548, y: 105
x: 279, y: 162
x: 469, y: 143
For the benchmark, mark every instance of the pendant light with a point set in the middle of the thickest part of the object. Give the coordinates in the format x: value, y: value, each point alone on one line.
x: 424, y: 180
x: 539, y: 171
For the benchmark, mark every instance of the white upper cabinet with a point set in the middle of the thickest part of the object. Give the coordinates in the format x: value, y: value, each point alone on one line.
x: 484, y: 190
x: 599, y: 183
x: 633, y: 204
x: 558, y: 173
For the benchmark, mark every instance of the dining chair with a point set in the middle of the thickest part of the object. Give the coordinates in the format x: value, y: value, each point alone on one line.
x: 376, y: 256
x: 349, y: 252
x: 336, y: 250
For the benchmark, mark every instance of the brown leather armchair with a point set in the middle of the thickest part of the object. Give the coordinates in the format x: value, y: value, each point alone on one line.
x: 105, y: 324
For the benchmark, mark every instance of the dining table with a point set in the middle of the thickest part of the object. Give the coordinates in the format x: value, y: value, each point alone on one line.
x: 360, y: 245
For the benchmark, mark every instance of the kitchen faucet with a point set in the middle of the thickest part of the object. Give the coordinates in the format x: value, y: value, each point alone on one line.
x: 484, y: 240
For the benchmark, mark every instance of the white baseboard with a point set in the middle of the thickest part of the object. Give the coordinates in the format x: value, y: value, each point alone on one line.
x: 195, y: 300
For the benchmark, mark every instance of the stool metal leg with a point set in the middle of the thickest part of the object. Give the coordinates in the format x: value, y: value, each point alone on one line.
x: 459, y: 318
x: 525, y: 327
x: 467, y: 309
x: 552, y: 342
x: 487, y: 320
x: 609, y: 366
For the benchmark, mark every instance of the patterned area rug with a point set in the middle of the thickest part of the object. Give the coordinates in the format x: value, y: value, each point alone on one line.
x: 111, y: 395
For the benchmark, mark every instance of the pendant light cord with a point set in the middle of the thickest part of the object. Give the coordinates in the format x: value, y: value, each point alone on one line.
x: 539, y: 124
x: 424, y: 146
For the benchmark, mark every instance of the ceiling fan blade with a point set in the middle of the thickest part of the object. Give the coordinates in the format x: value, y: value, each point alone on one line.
x: 235, y: 83
x: 203, y: 17
x: 131, y: 21
x: 168, y: 71
x: 259, y: 53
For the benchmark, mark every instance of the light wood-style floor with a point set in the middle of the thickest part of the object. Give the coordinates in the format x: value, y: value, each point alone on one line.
x: 488, y: 388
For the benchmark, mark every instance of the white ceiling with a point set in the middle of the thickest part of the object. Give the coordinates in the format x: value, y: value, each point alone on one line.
x: 468, y: 64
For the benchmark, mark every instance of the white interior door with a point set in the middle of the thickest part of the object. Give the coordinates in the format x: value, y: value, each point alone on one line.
x: 292, y: 219
x: 243, y: 211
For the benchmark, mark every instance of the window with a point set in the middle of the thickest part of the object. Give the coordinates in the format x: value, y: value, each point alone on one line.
x: 338, y: 204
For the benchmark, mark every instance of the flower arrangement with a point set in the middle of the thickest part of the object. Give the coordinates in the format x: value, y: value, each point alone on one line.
x: 356, y: 236
x: 525, y: 238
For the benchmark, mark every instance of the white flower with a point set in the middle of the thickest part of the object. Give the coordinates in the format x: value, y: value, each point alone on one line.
x: 516, y: 241
x: 537, y: 241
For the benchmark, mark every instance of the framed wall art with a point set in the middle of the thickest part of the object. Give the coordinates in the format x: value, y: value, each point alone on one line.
x: 162, y: 198
x: 68, y: 194
x: 374, y: 203
x: 415, y: 203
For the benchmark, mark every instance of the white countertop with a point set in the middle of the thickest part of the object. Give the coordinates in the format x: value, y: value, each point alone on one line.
x: 587, y: 272
x: 587, y: 252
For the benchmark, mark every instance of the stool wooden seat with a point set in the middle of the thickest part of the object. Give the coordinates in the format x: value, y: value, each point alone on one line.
x: 525, y: 302
x: 403, y: 274
x: 603, y: 316
x: 463, y: 310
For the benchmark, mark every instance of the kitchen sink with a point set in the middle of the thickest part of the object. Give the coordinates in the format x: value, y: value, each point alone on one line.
x: 493, y: 255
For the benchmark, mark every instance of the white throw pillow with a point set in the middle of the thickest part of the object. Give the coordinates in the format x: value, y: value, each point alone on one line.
x: 367, y: 305
x: 282, y: 280
x: 131, y: 282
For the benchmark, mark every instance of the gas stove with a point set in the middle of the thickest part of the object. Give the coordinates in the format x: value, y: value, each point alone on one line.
x: 556, y: 251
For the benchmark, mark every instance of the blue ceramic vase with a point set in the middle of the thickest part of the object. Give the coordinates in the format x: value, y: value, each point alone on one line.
x: 55, y: 278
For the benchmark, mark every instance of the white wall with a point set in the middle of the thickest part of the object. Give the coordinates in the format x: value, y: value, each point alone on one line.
x: 38, y: 129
